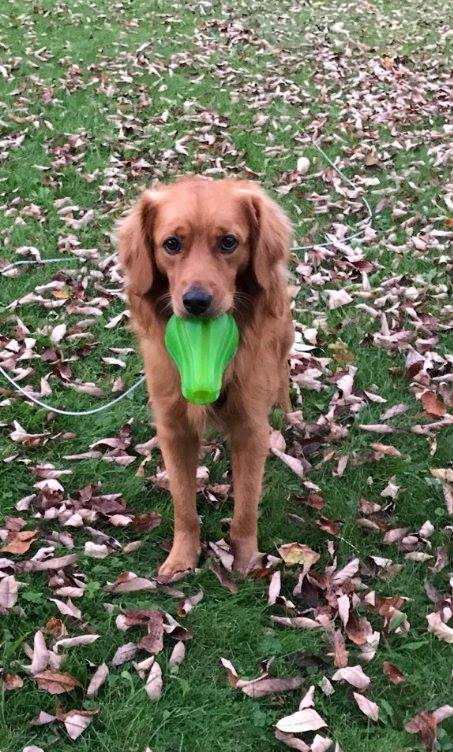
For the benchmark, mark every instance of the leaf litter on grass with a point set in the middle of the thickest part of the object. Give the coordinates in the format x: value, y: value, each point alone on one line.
x: 387, y: 105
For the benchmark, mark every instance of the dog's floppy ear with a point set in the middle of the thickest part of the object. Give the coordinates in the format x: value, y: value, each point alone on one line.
x: 135, y: 243
x: 270, y: 234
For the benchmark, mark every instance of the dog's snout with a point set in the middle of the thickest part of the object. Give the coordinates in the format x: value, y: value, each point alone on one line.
x: 196, y: 300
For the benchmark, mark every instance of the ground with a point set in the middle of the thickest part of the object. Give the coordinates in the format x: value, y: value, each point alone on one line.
x: 96, y: 100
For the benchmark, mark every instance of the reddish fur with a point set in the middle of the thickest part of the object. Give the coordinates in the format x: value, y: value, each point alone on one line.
x: 251, y: 284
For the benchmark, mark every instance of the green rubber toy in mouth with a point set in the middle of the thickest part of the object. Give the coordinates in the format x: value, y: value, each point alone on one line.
x: 201, y: 349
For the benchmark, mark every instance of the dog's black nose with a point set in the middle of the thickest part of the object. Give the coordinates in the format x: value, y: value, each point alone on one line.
x: 196, y: 300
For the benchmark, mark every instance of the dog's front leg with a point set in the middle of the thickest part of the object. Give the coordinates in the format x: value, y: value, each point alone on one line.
x: 249, y: 448
x: 179, y: 444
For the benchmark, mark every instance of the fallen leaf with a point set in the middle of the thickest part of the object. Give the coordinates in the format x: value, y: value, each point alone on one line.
x: 56, y: 682
x: 377, y: 428
x: 146, y: 521
x: 432, y: 405
x: 67, y: 609
x: 291, y: 741
x: 426, y: 725
x: 274, y: 588
x: 301, y: 721
x: 292, y: 462
x: 74, y: 642
x: 188, y: 604
x: 394, y: 410
x: 11, y: 681
x: 353, y: 675
x: 443, y: 473
x: 321, y: 744
x: 177, y: 654
x: 41, y: 657
x: 385, y: 449
x: 393, y: 673
x: 154, y: 683
x: 337, y: 298
x: 19, y: 542
x: 448, y: 496
x: 58, y: 333
x: 76, y: 721
x: 96, y: 550
x: 351, y: 569
x: 438, y: 628
x: 298, y: 553
x: 223, y: 576
x: 8, y: 592
x: 97, y: 680
x: 266, y: 686
x: 124, y: 654
x: 368, y: 708
x: 308, y: 700
x: 128, y: 582
x: 153, y: 642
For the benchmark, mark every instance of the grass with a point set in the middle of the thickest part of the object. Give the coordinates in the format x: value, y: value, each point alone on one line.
x: 198, y: 710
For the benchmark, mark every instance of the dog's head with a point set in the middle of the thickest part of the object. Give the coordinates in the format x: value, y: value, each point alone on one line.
x: 200, y: 247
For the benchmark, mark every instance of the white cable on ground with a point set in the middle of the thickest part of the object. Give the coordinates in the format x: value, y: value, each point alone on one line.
x: 63, y: 261
x: 70, y: 412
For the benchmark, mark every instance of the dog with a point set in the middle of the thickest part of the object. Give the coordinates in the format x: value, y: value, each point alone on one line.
x: 203, y: 247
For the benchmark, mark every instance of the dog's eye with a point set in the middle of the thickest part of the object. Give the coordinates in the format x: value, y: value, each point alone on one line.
x: 228, y: 243
x: 172, y: 245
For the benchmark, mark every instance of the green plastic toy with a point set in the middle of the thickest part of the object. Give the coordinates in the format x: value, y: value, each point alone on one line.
x: 201, y: 349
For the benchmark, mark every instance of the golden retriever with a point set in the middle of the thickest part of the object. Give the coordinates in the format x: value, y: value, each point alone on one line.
x: 201, y: 247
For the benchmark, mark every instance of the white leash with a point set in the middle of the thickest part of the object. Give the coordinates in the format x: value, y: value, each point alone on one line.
x: 140, y: 381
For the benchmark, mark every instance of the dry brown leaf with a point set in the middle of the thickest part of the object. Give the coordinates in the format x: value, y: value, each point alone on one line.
x: 297, y: 622
x: 301, y: 721
x: 41, y: 657
x: 432, y: 404
x: 97, y: 680
x: 128, y: 582
x: 8, y: 592
x: 153, y: 642
x: 76, y: 721
x: 56, y: 682
x: 74, y: 642
x: 393, y: 673
x: 377, y: 428
x: 274, y: 588
x: 448, y: 496
x: 443, y: 473
x: 438, y: 628
x: 291, y: 741
x: 292, y: 462
x: 298, y: 553
x: 67, y: 609
x: 10, y: 682
x: 320, y: 744
x: 424, y: 724
x: 154, y: 682
x: 266, y: 686
x: 385, y: 449
x: 124, y: 654
x: 368, y: 708
x: 188, y: 604
x: 19, y: 542
x: 177, y: 654
x: 340, y: 652
x: 354, y: 675
x: 351, y: 569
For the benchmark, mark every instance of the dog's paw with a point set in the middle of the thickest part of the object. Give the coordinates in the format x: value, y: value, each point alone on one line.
x: 178, y: 564
x: 246, y: 555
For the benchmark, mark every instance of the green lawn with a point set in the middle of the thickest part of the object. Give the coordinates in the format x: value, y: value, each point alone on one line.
x: 96, y: 100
